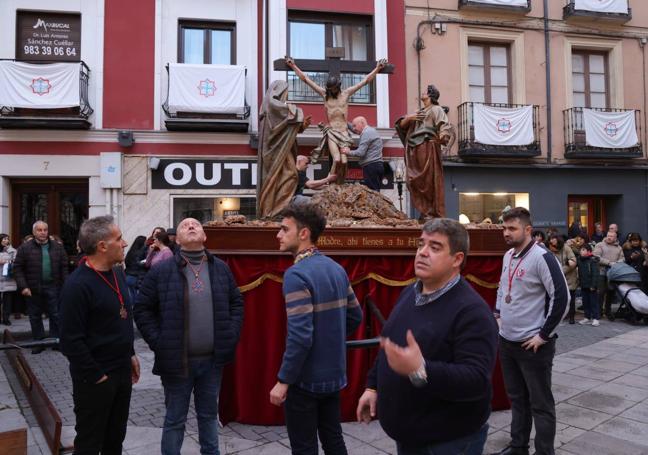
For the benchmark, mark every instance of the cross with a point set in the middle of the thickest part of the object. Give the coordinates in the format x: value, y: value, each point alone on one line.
x: 207, y: 88
x: 333, y: 65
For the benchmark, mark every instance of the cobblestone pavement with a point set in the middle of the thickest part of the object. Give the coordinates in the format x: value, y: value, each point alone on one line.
x: 600, y: 384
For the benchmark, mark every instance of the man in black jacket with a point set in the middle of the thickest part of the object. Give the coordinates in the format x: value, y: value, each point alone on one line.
x: 97, y: 339
x: 190, y: 311
x: 40, y: 268
x: 431, y: 383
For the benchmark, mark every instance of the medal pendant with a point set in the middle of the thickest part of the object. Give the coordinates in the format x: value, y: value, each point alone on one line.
x: 123, y: 313
x: 507, y: 299
x: 197, y: 286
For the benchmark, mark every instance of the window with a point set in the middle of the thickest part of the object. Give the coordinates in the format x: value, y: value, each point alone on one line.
x: 207, y: 43
x: 589, y: 79
x: 206, y: 209
x: 489, y: 73
x: 479, y: 206
x: 309, y: 35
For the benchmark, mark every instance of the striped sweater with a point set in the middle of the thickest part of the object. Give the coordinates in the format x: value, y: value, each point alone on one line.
x: 322, y: 310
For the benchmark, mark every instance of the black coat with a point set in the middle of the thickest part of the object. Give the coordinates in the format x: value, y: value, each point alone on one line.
x: 28, y: 266
x: 161, y: 309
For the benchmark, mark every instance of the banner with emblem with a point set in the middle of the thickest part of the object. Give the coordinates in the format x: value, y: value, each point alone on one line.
x: 206, y: 88
x: 602, y: 6
x: 502, y: 125
x: 39, y: 86
x: 503, y: 2
x: 610, y: 129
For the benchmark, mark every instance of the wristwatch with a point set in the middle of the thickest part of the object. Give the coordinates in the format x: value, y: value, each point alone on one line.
x: 419, y: 378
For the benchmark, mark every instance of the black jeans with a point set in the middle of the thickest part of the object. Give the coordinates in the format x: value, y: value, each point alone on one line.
x: 46, y: 301
x: 527, y: 376
x: 101, y: 412
x: 309, y: 414
x: 6, y: 299
x: 372, y: 175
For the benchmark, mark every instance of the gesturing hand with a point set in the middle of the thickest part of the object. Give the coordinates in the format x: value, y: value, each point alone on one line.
x: 403, y: 360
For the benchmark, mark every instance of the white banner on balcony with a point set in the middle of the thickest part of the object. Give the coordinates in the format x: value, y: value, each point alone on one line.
x: 503, y: 126
x: 39, y: 86
x: 602, y: 6
x: 503, y: 2
x: 206, y: 88
x: 610, y: 129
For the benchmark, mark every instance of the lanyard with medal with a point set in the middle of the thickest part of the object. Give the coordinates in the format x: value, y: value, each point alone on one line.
x: 508, y: 297
x: 122, y: 308
x: 197, y: 286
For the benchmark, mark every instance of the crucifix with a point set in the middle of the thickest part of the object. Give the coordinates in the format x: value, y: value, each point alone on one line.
x: 335, y: 136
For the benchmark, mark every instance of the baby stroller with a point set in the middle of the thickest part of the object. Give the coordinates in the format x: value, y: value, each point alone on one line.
x: 634, y: 302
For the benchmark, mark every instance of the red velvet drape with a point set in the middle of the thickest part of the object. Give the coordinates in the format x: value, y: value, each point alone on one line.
x: 248, y: 380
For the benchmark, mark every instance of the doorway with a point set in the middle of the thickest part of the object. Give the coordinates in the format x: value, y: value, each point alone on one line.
x: 61, y: 203
x: 588, y: 210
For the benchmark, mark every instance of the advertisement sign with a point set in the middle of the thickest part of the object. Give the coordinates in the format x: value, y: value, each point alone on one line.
x: 42, y: 36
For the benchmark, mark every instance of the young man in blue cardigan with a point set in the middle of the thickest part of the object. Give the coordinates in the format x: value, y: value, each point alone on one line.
x: 322, y: 310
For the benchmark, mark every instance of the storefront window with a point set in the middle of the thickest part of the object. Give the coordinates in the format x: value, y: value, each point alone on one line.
x: 479, y: 207
x: 206, y: 209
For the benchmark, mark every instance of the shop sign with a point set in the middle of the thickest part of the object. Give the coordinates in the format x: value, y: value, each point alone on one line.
x: 204, y: 174
x: 230, y: 174
x: 42, y: 36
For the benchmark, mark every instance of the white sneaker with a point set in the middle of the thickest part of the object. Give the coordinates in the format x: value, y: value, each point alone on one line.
x: 595, y: 323
x: 584, y: 321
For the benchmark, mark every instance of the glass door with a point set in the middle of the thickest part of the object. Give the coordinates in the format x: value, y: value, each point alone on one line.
x: 62, y: 204
x: 587, y: 210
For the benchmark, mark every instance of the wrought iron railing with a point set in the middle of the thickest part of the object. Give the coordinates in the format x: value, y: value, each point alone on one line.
x: 486, y: 4
x: 569, y: 10
x: 84, y: 110
x: 213, y: 115
x: 299, y: 91
x: 576, y: 141
x: 469, y: 146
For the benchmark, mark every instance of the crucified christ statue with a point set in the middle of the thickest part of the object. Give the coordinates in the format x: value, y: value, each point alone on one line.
x: 335, y: 135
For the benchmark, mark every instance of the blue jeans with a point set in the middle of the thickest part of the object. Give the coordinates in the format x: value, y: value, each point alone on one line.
x: 204, y: 380
x: 473, y: 444
x: 131, y: 282
x: 590, y: 304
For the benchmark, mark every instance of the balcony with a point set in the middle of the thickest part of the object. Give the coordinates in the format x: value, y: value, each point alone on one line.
x: 616, y: 12
x: 498, y: 143
x: 44, y: 95
x: 512, y: 6
x: 614, y: 133
x: 206, y: 98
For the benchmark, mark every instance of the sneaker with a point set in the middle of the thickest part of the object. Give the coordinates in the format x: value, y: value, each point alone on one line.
x: 584, y: 321
x: 595, y: 323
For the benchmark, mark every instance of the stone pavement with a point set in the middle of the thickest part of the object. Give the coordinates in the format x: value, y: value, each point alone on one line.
x: 600, y: 384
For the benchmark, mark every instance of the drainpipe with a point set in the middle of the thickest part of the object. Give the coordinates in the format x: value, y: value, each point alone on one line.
x: 548, y: 79
x: 108, y: 198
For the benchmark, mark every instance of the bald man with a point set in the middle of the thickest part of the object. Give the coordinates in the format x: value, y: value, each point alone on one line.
x: 301, y: 163
x: 190, y: 312
x: 370, y: 153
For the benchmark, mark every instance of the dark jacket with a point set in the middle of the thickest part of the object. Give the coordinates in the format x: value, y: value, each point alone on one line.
x: 588, y: 272
x: 161, y: 314
x: 28, y: 266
